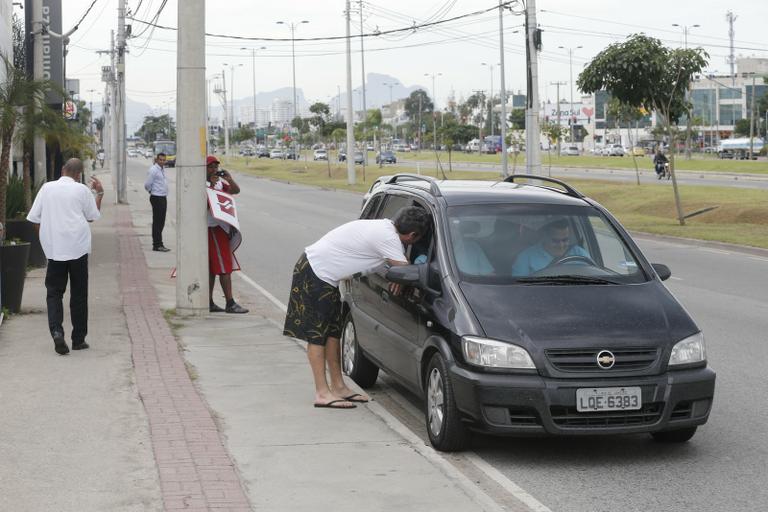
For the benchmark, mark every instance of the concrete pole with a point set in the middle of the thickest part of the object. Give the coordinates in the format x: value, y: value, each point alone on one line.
x: 38, y: 74
x: 253, y: 63
x: 191, y: 233
x: 752, y: 119
x: 558, y: 84
x: 532, y: 150
x: 115, y: 119
x: 504, y: 163
x: 225, y: 110
x: 122, y: 175
x: 350, y: 112
x: 362, y: 72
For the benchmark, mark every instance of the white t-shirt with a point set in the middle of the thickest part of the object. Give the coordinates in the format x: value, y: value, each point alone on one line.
x: 357, y: 246
x: 63, y: 209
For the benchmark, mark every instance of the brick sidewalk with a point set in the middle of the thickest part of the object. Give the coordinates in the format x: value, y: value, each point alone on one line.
x: 196, y: 472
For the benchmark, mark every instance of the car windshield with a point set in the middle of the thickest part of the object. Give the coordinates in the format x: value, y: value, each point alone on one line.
x: 539, y: 244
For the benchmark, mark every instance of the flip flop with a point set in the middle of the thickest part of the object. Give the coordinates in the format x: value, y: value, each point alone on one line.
x: 354, y: 398
x: 330, y: 405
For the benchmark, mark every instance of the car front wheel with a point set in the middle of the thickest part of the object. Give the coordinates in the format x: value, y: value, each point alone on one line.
x: 674, y: 436
x: 446, y: 431
x: 353, y: 362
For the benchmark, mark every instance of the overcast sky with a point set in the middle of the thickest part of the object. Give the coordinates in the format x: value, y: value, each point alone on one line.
x: 456, y: 49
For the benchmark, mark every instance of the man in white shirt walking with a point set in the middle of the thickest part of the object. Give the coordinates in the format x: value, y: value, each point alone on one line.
x: 314, y: 308
x: 157, y: 187
x: 61, y: 212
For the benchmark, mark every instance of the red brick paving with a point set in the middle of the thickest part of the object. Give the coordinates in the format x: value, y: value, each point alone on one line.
x: 196, y: 472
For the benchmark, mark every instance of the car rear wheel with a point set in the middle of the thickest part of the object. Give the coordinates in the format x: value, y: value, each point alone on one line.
x: 353, y: 362
x: 446, y: 431
x: 674, y: 436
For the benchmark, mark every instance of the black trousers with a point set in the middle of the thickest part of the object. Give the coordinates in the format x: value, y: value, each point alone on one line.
x: 159, y: 207
x: 76, y: 271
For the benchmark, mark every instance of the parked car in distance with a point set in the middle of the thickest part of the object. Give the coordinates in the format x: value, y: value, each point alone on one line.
x: 616, y: 150
x: 387, y: 157
x: 589, y: 343
x: 291, y: 154
x: 132, y: 153
x: 277, y: 153
x: 638, y: 151
x: 342, y: 155
x: 359, y: 157
x: 320, y: 154
x: 262, y: 152
x: 570, y: 151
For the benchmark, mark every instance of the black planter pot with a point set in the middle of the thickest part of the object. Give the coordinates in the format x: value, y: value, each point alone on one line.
x: 25, y: 231
x: 13, y: 271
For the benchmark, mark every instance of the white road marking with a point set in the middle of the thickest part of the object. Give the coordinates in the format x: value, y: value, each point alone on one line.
x: 676, y: 278
x: 430, y: 454
x: 716, y: 251
x: 274, y: 300
x: 757, y: 258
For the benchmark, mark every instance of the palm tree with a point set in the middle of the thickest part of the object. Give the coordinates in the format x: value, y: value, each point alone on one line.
x: 18, y: 98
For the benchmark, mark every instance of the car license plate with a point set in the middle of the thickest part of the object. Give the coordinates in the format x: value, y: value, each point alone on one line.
x: 608, y: 399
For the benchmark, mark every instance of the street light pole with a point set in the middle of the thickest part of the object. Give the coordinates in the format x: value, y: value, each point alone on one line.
x: 253, y: 63
x: 686, y: 28
x: 434, y: 109
x: 570, y: 72
x: 292, y: 25
x: 490, y: 107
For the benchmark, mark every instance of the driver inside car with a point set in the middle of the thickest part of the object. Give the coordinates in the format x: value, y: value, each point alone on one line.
x: 554, y: 245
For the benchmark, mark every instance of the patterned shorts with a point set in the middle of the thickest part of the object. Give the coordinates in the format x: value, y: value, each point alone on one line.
x: 314, y: 308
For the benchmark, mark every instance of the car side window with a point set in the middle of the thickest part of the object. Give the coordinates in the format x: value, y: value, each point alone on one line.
x: 371, y: 207
x: 392, y: 205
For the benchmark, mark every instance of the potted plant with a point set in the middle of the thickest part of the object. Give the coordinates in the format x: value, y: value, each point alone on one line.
x: 17, y: 227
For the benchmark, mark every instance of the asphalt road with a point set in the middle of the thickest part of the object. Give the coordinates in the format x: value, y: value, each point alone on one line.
x: 724, y: 467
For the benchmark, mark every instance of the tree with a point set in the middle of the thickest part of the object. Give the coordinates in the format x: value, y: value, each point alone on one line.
x: 517, y: 119
x: 624, y: 113
x: 641, y: 72
x: 18, y: 97
x: 243, y: 133
x: 412, y: 107
x: 154, y: 126
x: 322, y: 114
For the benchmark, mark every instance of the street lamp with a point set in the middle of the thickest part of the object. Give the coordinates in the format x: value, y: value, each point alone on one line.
x: 253, y: 61
x: 570, y: 68
x: 232, y: 93
x: 490, y: 109
x: 292, y: 25
x: 434, y: 109
x: 686, y: 28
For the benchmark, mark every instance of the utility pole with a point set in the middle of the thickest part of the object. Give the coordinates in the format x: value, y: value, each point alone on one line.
x: 571, y: 115
x: 532, y: 44
x: 39, y: 74
x: 113, y: 148
x: 122, y: 175
x: 481, y: 101
x: 362, y: 71
x: 222, y: 92
x: 191, y: 253
x: 559, y: 126
x: 350, y: 112
x: 504, y: 163
x: 729, y: 16
x: 752, y: 117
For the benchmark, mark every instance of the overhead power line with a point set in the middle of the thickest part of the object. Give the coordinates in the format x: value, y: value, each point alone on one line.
x: 413, y: 27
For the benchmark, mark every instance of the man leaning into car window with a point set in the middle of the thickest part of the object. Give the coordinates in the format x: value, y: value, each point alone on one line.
x: 315, y: 312
x: 554, y: 246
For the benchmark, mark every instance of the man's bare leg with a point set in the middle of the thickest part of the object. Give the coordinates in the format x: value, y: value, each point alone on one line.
x: 333, y: 359
x: 323, y: 395
x: 226, y: 285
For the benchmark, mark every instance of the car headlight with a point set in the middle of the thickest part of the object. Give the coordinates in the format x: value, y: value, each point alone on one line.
x: 690, y: 350
x: 495, y: 354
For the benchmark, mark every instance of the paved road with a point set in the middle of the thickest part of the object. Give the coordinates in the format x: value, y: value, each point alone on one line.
x: 647, y: 175
x: 723, y: 468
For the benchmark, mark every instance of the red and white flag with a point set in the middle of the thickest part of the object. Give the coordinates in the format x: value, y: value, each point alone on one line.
x: 223, y: 207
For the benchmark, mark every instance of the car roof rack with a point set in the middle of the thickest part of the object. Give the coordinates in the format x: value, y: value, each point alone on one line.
x: 569, y: 190
x: 398, y: 178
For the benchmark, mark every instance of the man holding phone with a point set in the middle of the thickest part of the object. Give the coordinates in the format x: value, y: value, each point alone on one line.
x: 221, y: 256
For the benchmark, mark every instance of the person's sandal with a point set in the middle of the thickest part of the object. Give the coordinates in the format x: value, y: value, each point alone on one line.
x: 235, y: 308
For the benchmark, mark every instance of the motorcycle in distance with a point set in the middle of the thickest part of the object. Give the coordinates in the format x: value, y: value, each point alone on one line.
x: 662, y: 171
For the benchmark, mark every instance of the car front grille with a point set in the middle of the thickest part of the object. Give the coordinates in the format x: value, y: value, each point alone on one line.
x: 585, y: 360
x: 569, y: 417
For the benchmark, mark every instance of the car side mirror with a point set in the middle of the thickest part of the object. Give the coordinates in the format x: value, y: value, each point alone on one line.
x: 408, y: 275
x: 662, y: 270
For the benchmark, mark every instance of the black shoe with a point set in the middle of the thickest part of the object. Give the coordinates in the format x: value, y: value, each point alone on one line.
x: 80, y: 346
x: 60, y: 344
x: 161, y: 249
x: 213, y: 308
x: 235, y: 308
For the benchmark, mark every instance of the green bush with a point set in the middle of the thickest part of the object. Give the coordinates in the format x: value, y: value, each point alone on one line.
x: 14, y: 198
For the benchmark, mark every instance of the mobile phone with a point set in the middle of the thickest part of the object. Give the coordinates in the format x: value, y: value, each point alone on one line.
x: 221, y: 173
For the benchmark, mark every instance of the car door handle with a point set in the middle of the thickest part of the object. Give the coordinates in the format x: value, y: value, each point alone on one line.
x: 384, y: 296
